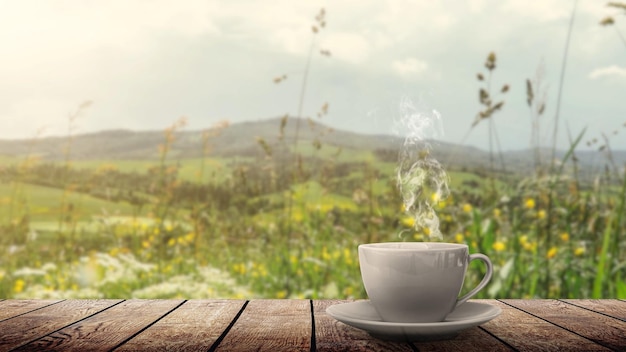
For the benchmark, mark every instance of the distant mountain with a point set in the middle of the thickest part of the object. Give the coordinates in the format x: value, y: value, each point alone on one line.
x: 237, y: 139
x: 241, y: 139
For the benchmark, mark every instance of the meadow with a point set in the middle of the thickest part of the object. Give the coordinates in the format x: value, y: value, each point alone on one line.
x: 286, y: 222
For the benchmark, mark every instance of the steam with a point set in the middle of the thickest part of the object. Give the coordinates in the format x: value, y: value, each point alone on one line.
x: 422, y: 181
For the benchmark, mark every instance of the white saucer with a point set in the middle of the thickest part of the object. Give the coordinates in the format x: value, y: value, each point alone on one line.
x: 362, y: 315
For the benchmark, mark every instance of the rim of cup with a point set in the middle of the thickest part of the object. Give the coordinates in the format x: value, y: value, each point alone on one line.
x: 413, y: 246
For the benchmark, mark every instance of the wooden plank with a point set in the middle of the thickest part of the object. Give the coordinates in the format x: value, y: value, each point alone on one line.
x: 194, y: 326
x: 333, y: 335
x: 606, y: 331
x: 271, y: 325
x: 105, y: 330
x: 525, y: 332
x: 612, y: 307
x: 38, y: 323
x: 473, y: 339
x: 12, y: 307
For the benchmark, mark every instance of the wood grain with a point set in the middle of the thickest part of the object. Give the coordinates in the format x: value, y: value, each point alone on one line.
x: 10, y: 308
x: 38, y: 323
x: 194, y: 326
x: 473, y: 339
x: 525, y: 332
x: 568, y: 319
x: 286, y: 325
x: 271, y: 325
x: 612, y: 307
x: 332, y: 335
x: 105, y: 330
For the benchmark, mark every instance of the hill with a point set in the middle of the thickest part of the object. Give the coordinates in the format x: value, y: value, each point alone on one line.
x: 242, y: 139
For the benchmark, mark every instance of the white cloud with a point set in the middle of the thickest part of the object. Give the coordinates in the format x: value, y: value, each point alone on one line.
x: 409, y: 67
x: 609, y: 71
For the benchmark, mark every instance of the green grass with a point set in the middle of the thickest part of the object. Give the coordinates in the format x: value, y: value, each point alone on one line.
x: 292, y: 234
x: 44, y: 203
x: 215, y: 169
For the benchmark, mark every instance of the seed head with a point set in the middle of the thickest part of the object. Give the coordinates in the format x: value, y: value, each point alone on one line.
x: 490, y: 64
x: 529, y: 92
x: 607, y: 21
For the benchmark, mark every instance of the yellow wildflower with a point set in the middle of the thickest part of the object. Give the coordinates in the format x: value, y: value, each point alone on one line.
x: 530, y: 246
x: 541, y: 214
x: 281, y: 294
x: 325, y: 254
x: 496, y: 213
x: 467, y: 207
x: 499, y: 246
x: 551, y: 253
x: 171, y: 242
x: 240, y: 268
x: 459, y: 238
x: 530, y: 203
x: 262, y: 270
x: 408, y: 221
x: 293, y: 259
x: 579, y: 251
x: 18, y: 286
x: 564, y: 237
x: 347, y: 254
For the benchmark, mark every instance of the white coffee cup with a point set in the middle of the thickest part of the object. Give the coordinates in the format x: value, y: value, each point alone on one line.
x: 417, y: 282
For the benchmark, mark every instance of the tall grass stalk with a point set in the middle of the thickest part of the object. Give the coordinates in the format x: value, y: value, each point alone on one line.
x: 561, y: 85
x: 485, y: 97
x: 610, y: 21
x: 555, y: 179
x: 67, y: 220
x: 536, y: 99
x: 602, y: 268
x: 296, y: 173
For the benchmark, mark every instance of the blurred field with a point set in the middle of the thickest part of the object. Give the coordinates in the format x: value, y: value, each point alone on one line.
x: 287, y: 225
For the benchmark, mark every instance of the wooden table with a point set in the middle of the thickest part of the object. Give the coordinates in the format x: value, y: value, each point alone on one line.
x: 291, y: 325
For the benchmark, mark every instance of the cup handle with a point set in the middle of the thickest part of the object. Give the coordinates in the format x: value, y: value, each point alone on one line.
x: 482, y: 283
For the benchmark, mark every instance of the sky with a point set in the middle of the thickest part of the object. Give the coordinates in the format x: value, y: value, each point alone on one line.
x: 144, y: 64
